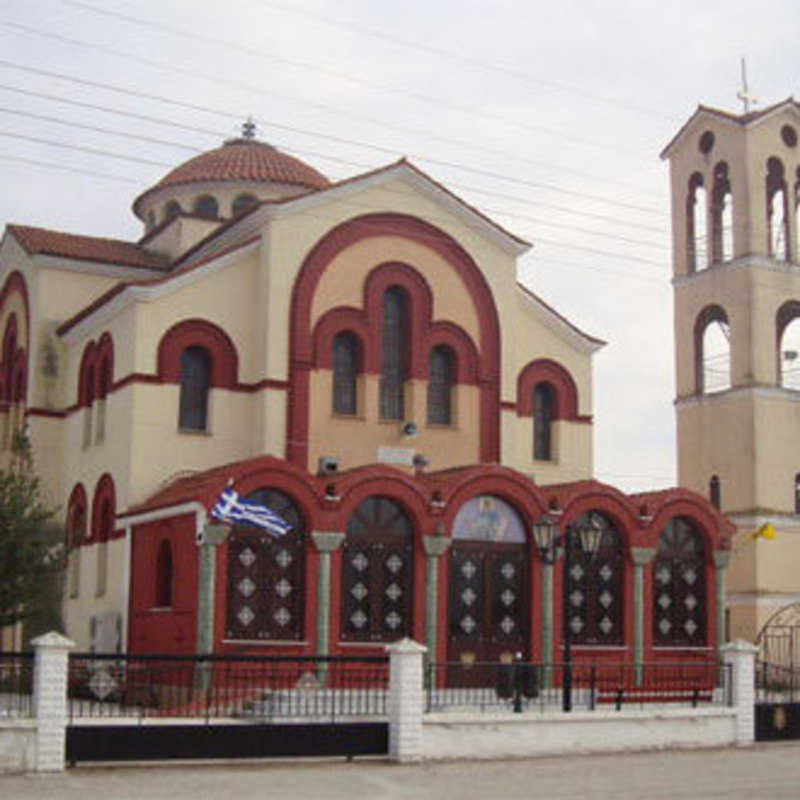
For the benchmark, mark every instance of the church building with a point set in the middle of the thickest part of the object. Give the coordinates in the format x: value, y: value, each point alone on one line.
x: 360, y: 357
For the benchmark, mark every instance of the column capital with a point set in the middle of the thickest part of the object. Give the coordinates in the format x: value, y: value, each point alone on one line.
x: 327, y: 541
x: 722, y: 558
x: 435, y: 546
x: 642, y: 556
x: 214, y: 533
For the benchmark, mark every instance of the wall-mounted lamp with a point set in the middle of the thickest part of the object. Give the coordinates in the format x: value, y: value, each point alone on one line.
x: 409, y: 428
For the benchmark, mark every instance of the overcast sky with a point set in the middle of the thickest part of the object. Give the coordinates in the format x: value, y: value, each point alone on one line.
x: 549, y: 117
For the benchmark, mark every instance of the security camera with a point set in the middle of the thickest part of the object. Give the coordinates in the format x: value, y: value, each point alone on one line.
x: 409, y: 429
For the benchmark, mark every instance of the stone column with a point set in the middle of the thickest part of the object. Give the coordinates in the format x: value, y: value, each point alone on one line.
x: 326, y: 543
x: 641, y: 557
x: 721, y: 560
x: 50, y: 699
x: 434, y: 546
x: 547, y: 620
x: 405, y: 700
x: 740, y: 657
x: 213, y: 535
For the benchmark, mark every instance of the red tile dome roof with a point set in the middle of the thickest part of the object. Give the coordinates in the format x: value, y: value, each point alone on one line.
x: 241, y: 160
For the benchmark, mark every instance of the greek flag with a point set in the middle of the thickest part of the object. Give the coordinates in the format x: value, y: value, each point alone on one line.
x: 229, y: 508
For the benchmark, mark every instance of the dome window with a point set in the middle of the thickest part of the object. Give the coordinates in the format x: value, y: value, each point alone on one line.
x: 242, y: 203
x: 172, y: 209
x: 206, y: 207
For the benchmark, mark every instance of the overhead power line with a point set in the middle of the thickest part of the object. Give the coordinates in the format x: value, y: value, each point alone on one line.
x: 472, y: 111
x: 438, y: 162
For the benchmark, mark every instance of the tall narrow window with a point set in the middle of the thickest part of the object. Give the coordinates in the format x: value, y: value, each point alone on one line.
x: 76, y: 525
x: 712, y: 350
x: 163, y: 593
x: 172, y: 209
x: 104, y: 534
x: 346, y: 352
x: 777, y: 217
x: 103, y: 386
x: 88, y: 411
x: 695, y: 224
x: 679, y: 607
x: 195, y: 382
x: 440, y: 386
x: 714, y: 491
x: 797, y: 493
x: 206, y: 207
x: 393, y: 353
x: 542, y: 422
x: 722, y: 215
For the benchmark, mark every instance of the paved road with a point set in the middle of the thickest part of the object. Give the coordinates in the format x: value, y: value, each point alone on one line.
x: 763, y: 772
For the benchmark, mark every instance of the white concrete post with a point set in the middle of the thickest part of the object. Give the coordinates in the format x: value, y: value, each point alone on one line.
x: 405, y: 700
x: 50, y: 699
x: 741, y: 656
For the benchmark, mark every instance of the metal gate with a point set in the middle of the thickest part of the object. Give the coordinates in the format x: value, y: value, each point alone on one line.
x: 777, y: 711
x: 125, y: 708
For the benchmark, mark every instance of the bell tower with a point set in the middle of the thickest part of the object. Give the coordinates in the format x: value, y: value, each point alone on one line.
x: 735, y: 189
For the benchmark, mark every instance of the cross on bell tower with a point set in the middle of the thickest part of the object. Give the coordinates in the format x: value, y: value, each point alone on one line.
x: 744, y: 93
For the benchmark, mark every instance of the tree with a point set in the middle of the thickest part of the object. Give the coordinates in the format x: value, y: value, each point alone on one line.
x: 31, y: 552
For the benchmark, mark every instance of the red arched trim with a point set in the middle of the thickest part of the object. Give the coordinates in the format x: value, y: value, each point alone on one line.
x: 77, y: 505
x: 200, y: 333
x: 713, y: 526
x: 619, y: 508
x: 459, y: 341
x: 564, y: 390
x: 336, y: 321
x: 420, y: 309
x: 18, y: 390
x: 103, y: 491
x: 509, y: 485
x: 16, y: 283
x: 88, y: 360
x: 300, y: 337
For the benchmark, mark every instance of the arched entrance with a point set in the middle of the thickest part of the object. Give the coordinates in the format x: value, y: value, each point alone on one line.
x: 778, y: 641
x: 488, y: 591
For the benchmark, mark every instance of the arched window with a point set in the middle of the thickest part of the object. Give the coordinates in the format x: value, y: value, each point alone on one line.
x: 696, y: 254
x: 594, y: 587
x: 441, y: 363
x: 778, y: 245
x: 104, y: 533
x: 103, y: 386
x: 346, y: 357
x: 266, y: 583
x: 714, y: 491
x: 797, y: 493
x: 712, y: 351
x: 163, y: 587
x: 787, y: 337
x: 377, y: 568
x: 242, y: 203
x: 195, y: 381
x: 394, y: 360
x: 172, y: 209
x: 87, y: 412
x: 542, y: 421
x: 679, y: 605
x: 75, y: 535
x: 721, y: 215
x: 206, y: 207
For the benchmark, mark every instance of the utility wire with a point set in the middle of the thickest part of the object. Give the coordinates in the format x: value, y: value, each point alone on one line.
x: 438, y: 162
x: 472, y: 111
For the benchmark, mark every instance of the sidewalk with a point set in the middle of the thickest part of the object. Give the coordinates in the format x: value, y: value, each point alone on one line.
x: 763, y: 771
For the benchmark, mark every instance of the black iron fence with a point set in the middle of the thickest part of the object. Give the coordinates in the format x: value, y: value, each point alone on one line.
x: 777, y: 683
x: 16, y: 684
x: 249, y: 688
x: 531, y: 686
